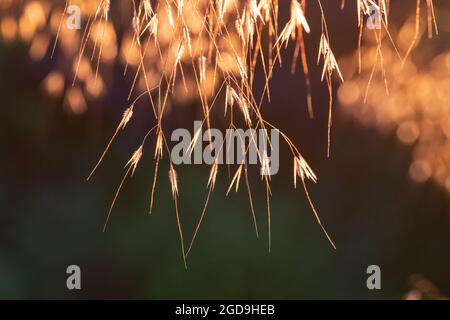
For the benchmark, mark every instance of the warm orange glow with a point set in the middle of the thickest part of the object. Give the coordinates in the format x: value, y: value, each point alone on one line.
x: 39, y: 47
x: 54, y: 83
x: 9, y: 29
x: 74, y: 100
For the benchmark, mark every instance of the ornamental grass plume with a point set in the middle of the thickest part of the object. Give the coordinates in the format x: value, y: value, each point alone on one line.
x: 179, y: 51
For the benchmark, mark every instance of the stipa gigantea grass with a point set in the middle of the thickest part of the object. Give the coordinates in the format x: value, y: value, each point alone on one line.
x: 208, y: 48
x: 250, y: 19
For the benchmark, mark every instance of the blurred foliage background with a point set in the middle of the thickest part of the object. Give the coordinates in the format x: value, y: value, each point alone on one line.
x: 51, y: 218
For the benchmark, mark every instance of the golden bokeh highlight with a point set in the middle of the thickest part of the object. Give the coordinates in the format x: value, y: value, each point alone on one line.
x: 411, y: 102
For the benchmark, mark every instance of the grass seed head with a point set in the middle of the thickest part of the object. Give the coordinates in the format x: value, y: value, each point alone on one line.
x: 134, y: 160
x: 126, y: 117
x: 303, y: 170
x: 213, y: 175
x: 173, y: 181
